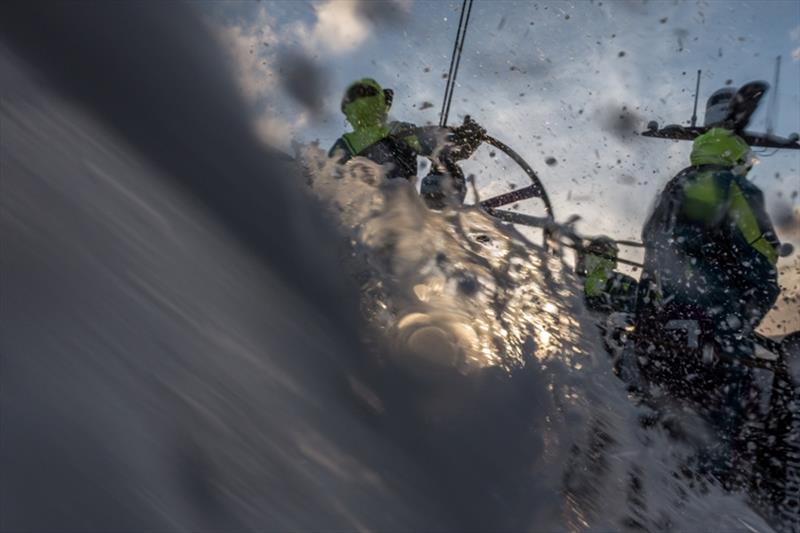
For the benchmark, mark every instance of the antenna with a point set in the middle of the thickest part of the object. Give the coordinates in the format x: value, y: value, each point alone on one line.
x: 773, y: 100
x: 696, y: 96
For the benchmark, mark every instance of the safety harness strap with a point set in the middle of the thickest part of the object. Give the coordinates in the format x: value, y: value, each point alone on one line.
x: 748, y: 224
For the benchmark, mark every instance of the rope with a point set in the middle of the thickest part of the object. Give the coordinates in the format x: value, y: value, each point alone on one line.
x: 455, y: 60
x: 442, y: 120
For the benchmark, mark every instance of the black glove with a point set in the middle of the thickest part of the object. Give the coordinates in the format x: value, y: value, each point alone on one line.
x: 467, y: 138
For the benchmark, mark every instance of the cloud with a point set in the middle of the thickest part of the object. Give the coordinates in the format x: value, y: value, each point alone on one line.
x: 248, y: 46
x: 342, y: 26
x: 796, y: 54
x: 304, y: 79
x: 278, y: 131
x: 387, y: 13
x: 260, y: 70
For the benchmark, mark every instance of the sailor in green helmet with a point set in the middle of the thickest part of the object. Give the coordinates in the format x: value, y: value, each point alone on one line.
x: 710, y: 250
x: 709, y: 278
x: 710, y: 247
x: 605, y: 290
x: 397, y: 144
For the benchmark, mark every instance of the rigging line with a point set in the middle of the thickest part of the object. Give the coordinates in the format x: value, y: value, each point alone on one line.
x: 455, y: 61
x: 448, y: 95
x: 634, y: 244
x: 458, y: 61
x: 442, y: 119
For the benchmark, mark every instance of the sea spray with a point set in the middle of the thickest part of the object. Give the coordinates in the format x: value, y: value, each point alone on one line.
x: 489, y: 334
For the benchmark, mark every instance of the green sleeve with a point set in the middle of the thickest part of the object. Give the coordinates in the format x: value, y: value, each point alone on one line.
x: 750, y: 218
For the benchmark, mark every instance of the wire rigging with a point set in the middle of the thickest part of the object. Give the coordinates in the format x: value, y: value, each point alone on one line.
x: 442, y: 119
x: 455, y: 60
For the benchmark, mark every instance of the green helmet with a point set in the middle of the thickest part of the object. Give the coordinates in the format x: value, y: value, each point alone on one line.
x: 366, y: 103
x: 719, y: 146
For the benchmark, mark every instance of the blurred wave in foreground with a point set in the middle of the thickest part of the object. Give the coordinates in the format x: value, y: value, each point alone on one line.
x: 199, y: 336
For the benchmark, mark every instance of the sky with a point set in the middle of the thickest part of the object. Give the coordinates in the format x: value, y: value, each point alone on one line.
x: 572, y: 81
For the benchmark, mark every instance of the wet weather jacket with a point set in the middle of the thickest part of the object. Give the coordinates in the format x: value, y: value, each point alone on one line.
x: 398, y: 143
x: 711, y: 248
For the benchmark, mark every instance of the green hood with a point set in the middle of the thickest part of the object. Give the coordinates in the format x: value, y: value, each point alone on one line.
x: 719, y: 147
x: 367, y: 115
x: 367, y: 111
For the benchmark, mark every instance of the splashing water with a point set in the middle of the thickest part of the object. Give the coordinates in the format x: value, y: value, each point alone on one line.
x: 486, y: 288
x: 458, y: 293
